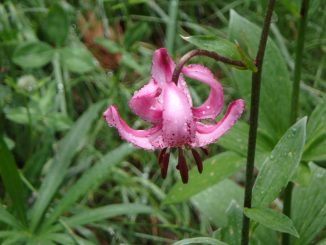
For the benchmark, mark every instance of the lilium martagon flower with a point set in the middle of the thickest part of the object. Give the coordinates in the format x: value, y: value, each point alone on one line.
x: 175, y: 122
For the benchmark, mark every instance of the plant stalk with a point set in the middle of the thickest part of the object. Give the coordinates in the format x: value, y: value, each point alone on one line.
x: 254, y: 110
x: 200, y: 52
x: 295, y: 101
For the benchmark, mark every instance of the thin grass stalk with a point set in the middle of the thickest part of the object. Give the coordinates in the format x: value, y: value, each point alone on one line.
x: 295, y: 101
x: 171, y: 26
x: 254, y: 111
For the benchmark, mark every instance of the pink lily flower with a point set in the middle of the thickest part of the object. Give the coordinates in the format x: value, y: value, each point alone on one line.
x: 175, y: 122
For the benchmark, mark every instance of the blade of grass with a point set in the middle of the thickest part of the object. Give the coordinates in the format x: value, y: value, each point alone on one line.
x: 171, y: 26
x: 11, y: 180
x: 68, y: 147
x: 90, y: 180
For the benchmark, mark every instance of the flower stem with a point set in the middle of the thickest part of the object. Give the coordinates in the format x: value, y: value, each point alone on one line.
x: 295, y: 101
x: 255, y: 94
x: 200, y: 52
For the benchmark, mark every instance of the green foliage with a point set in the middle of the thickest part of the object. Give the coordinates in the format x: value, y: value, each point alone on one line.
x: 12, y: 183
x: 309, y: 206
x: 215, y: 169
x: 272, y: 219
x: 279, y: 168
x: 77, y: 59
x: 68, y: 147
x: 66, y: 178
x: 56, y: 25
x: 275, y: 88
x: 33, y: 54
x: 199, y: 240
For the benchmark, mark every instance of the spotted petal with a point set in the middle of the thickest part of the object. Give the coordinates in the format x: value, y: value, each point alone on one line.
x: 140, y: 138
x: 178, y: 124
x: 162, y: 70
x: 207, y: 134
x: 214, y: 103
x: 145, y: 102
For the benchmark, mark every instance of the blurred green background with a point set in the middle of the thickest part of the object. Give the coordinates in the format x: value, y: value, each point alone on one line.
x: 76, y: 182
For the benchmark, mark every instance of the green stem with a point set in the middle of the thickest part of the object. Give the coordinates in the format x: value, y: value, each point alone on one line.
x: 295, y: 101
x: 254, y: 110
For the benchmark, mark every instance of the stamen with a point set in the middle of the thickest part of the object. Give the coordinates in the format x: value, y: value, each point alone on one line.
x: 160, y: 156
x: 205, y: 150
x: 164, y: 165
x: 182, y: 166
x: 198, y: 160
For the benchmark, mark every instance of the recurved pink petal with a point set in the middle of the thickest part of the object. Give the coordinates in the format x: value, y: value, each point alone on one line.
x: 207, y: 134
x: 162, y: 66
x: 140, y: 138
x: 178, y: 124
x: 162, y: 70
x: 214, y: 103
x: 145, y: 102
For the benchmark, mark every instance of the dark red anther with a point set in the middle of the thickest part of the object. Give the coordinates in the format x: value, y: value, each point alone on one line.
x: 164, y: 165
x: 205, y: 150
x: 161, y: 156
x: 182, y: 166
x: 198, y: 160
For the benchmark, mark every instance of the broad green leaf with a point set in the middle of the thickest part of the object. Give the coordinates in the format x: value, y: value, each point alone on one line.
x: 56, y: 25
x: 33, y: 54
x: 67, y: 148
x: 9, y: 219
x: 272, y: 219
x: 78, y: 59
x: 309, y: 206
x: 279, y: 168
x: 92, y: 178
x: 215, y: 169
x: 216, y: 44
x: 231, y: 233
x: 316, y: 135
x: 199, y: 240
x: 275, y: 86
x: 214, y: 202
x: 12, y: 182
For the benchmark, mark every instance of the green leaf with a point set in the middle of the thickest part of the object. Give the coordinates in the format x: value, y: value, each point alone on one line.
x: 214, y: 202
x: 215, y: 169
x: 316, y: 135
x: 102, y: 213
x: 12, y: 182
x: 67, y: 148
x: 9, y: 219
x: 91, y: 179
x: 56, y: 25
x: 280, y: 166
x: 78, y: 59
x: 276, y: 86
x: 216, y: 44
x: 110, y: 45
x: 272, y: 219
x: 231, y: 233
x: 32, y: 54
x: 199, y: 240
x: 309, y: 206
